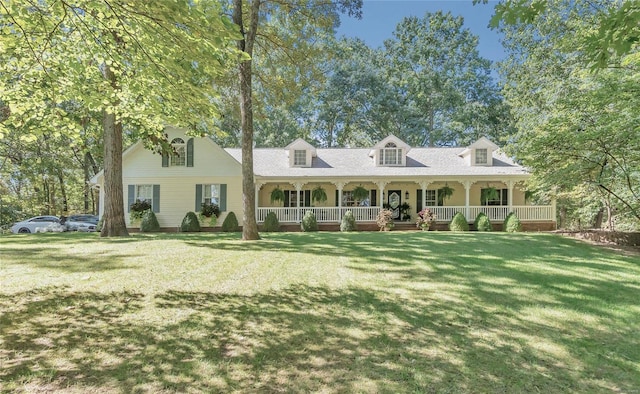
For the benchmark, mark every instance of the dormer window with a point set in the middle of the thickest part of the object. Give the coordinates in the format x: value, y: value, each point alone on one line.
x: 391, y: 152
x: 300, y: 153
x: 179, y: 155
x: 299, y: 157
x: 481, y: 156
x: 390, y: 155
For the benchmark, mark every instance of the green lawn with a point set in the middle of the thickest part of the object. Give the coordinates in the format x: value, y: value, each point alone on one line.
x: 317, y: 312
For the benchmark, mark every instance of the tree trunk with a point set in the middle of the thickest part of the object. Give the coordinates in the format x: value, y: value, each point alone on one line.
x: 249, y: 224
x: 113, y: 216
x: 63, y: 191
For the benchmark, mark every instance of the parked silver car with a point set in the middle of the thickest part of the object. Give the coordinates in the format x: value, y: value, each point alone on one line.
x: 38, y: 224
x: 83, y: 223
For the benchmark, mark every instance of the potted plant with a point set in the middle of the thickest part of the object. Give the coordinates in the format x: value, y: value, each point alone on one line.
x: 360, y: 194
x: 209, y: 211
x: 385, y: 220
x: 137, y: 210
x: 319, y: 194
x: 490, y: 193
x: 445, y: 192
x: 277, y: 195
x: 425, y: 218
x: 404, y: 211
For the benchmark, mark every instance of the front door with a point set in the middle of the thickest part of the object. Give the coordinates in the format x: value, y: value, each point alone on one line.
x: 394, y: 199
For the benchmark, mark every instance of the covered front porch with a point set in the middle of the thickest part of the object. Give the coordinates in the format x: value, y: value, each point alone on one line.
x: 405, y: 197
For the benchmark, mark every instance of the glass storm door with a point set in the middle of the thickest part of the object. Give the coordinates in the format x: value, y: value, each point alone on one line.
x: 394, y: 199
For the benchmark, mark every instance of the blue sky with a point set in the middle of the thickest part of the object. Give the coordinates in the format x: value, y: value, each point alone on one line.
x: 380, y: 17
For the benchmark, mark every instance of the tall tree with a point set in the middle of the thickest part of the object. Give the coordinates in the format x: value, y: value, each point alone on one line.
x: 296, y: 23
x: 577, y: 129
x: 143, y: 65
x: 445, y: 84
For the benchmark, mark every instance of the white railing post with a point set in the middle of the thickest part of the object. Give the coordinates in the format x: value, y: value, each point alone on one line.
x: 340, y: 186
x: 381, y: 185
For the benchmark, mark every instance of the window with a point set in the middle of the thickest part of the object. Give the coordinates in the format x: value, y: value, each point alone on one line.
x: 211, y: 194
x: 481, y: 156
x: 390, y: 155
x: 291, y: 198
x: 144, y: 193
x: 499, y: 199
x: 299, y: 157
x: 179, y: 155
x: 430, y: 198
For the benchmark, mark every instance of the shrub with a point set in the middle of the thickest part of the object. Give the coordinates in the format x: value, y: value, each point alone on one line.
x: 482, y: 223
x: 149, y: 223
x: 190, y: 223
x: 309, y: 222
x: 230, y: 223
x: 348, y: 222
x: 385, y: 219
x: 512, y: 224
x: 459, y: 223
x: 271, y: 223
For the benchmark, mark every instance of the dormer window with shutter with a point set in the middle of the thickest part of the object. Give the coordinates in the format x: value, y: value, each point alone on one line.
x: 390, y: 152
x: 301, y: 153
x: 179, y: 155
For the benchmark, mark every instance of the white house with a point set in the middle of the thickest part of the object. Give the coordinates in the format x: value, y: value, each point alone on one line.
x: 392, y: 172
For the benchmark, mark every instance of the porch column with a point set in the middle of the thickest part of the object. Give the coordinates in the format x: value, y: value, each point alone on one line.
x: 510, y: 185
x: 258, y: 186
x: 467, y: 189
x: 423, y: 186
x: 381, y: 185
x: 298, y: 186
x: 339, y: 186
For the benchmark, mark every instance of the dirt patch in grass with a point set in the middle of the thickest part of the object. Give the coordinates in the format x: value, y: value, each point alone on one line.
x: 625, y: 242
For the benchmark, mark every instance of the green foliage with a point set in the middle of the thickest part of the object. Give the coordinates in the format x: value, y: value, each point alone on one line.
x: 149, y: 222
x: 230, y: 223
x: 348, y: 222
x: 360, y: 193
x: 384, y: 220
x: 459, y: 223
x: 318, y: 194
x: 579, y: 132
x: 512, y: 223
x: 482, y: 223
x: 138, y: 209
x: 309, y: 222
x: 209, y: 210
x: 190, y: 223
x: 277, y: 195
x: 271, y: 223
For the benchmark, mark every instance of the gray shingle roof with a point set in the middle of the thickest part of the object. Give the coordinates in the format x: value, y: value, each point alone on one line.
x: 355, y: 162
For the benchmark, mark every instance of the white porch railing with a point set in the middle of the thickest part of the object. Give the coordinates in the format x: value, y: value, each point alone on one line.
x: 443, y: 214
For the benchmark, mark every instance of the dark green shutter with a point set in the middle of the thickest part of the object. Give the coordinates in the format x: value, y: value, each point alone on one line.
x: 374, y: 198
x: 307, y: 198
x: 190, y: 152
x: 131, y: 197
x: 287, y: 194
x: 223, y: 197
x: 419, y: 200
x: 337, y: 197
x: 156, y: 198
x: 165, y: 160
x: 198, y: 198
x: 505, y: 199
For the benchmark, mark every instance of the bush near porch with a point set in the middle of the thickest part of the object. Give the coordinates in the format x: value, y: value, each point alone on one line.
x: 337, y: 312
